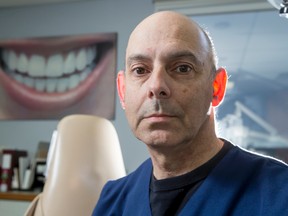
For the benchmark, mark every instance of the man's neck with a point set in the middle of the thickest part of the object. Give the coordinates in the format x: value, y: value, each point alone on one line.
x: 178, y: 161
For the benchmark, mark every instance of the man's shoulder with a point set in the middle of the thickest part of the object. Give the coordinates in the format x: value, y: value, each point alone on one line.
x: 261, y: 165
x: 121, y: 194
x: 255, y: 157
x: 128, y: 182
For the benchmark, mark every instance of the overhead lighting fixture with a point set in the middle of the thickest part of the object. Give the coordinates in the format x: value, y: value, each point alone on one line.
x: 281, y: 5
x: 283, y: 12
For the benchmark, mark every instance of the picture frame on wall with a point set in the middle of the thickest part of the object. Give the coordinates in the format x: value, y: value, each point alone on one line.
x: 51, y: 77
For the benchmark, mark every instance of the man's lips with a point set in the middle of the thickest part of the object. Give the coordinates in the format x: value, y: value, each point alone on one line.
x: 159, y: 117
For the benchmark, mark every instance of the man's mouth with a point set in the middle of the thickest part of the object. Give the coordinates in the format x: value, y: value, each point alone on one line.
x: 55, y: 73
x: 41, y: 77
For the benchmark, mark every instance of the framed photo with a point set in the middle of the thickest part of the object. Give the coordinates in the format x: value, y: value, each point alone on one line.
x: 51, y: 77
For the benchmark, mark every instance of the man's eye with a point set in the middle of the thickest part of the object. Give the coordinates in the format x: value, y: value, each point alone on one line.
x: 139, y: 71
x: 183, y: 69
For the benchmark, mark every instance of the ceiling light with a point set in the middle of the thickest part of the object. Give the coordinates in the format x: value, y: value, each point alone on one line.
x: 283, y: 12
x: 281, y: 5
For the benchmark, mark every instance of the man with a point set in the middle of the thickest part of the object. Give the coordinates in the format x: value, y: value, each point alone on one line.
x: 169, y: 90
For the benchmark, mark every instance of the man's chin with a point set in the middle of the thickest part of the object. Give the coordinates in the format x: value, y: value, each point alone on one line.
x: 158, y: 139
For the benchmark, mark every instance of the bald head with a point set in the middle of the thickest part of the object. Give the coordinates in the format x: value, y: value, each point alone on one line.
x: 166, y: 22
x: 167, y: 26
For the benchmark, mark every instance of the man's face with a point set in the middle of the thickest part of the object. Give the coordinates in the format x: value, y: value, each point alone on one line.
x: 168, y: 84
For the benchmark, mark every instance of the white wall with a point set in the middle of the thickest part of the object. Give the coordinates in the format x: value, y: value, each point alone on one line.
x: 13, y: 208
x: 73, y: 18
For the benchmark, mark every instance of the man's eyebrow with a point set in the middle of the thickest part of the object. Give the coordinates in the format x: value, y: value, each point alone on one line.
x: 136, y: 57
x: 186, y: 54
x: 172, y: 55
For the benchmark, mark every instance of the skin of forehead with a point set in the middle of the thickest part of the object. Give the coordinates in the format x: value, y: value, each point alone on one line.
x: 168, y: 23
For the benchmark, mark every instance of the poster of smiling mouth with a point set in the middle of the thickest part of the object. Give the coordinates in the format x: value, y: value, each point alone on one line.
x: 51, y: 77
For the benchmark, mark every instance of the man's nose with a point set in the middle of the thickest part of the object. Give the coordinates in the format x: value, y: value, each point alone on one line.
x: 158, y: 84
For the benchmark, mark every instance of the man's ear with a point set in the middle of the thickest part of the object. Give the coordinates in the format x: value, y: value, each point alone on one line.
x: 219, y: 86
x: 121, y: 87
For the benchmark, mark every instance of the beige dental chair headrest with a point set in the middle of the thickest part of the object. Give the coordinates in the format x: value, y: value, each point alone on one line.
x: 85, y: 155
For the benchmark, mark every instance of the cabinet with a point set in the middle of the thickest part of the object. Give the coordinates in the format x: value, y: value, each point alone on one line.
x: 19, y: 195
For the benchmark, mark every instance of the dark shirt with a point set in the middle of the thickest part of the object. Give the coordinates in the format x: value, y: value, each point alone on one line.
x: 169, y: 196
